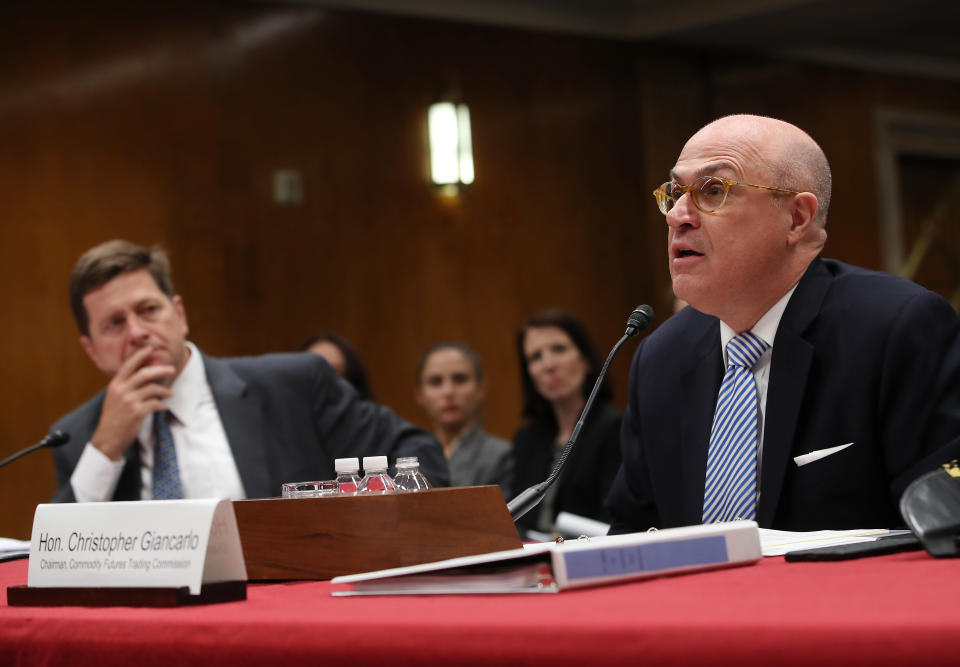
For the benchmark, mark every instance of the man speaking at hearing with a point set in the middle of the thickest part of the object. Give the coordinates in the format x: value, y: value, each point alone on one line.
x: 798, y: 391
x: 175, y: 423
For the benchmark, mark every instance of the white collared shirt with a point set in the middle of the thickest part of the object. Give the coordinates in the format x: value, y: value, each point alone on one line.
x: 205, y: 460
x: 765, y: 328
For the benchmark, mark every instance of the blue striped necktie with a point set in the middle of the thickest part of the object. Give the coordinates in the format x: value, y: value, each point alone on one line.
x: 166, y: 473
x: 730, y: 491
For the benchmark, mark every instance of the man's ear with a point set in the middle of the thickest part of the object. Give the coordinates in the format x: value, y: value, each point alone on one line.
x: 178, y: 305
x: 803, y: 211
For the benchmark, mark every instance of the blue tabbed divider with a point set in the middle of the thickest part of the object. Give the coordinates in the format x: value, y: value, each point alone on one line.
x: 612, y: 561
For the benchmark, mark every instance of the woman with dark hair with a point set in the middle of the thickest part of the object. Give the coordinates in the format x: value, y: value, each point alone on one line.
x: 558, y: 367
x: 343, y: 358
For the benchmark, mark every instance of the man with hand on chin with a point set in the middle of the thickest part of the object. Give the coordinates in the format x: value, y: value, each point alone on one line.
x: 798, y: 391
x: 175, y: 423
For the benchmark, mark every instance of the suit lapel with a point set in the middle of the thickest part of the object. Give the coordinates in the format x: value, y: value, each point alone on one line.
x: 789, y: 368
x: 242, y: 419
x: 700, y: 383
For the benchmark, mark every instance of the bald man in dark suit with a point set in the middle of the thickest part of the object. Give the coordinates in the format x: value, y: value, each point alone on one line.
x: 854, y: 390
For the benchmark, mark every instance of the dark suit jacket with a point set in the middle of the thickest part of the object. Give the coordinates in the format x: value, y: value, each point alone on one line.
x: 585, y: 480
x: 859, y: 357
x: 286, y: 416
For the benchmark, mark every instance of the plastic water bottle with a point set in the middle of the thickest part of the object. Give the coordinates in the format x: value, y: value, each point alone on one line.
x: 348, y: 474
x: 409, y: 477
x: 375, y: 477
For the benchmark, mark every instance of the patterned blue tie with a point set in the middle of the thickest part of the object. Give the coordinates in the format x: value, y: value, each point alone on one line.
x: 166, y: 474
x: 730, y: 491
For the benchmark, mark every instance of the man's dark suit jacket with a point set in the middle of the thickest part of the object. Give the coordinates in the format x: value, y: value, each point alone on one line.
x: 286, y: 416
x: 859, y: 357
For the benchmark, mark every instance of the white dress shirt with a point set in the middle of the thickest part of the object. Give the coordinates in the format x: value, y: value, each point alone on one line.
x: 765, y: 328
x: 204, y: 458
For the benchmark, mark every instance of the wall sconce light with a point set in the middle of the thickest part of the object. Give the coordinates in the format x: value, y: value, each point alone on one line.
x: 451, y: 149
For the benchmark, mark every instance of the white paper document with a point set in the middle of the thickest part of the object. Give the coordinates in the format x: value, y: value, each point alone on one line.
x: 779, y: 542
x: 574, y: 525
x: 10, y: 548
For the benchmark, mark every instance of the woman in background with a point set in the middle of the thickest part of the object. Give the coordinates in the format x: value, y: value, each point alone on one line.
x: 343, y: 358
x: 451, y: 389
x: 559, y: 366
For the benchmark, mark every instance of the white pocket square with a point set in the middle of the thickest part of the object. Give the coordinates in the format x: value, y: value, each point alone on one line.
x: 804, y: 459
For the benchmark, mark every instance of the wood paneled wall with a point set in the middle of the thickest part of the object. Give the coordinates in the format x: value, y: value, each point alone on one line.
x: 164, y: 122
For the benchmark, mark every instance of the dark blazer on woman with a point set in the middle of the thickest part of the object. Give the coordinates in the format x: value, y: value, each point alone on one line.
x: 588, y: 473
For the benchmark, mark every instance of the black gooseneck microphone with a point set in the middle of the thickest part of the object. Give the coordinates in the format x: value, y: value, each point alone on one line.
x: 55, y: 439
x: 639, y: 319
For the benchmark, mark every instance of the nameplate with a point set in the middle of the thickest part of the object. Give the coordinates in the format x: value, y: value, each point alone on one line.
x: 143, y: 544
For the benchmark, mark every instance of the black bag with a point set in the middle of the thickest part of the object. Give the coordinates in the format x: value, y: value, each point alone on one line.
x: 931, y: 508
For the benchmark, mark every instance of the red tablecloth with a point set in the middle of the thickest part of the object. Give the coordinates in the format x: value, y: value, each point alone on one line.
x: 902, y: 609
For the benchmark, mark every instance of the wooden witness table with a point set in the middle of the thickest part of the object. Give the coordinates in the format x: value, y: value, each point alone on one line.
x: 888, y: 610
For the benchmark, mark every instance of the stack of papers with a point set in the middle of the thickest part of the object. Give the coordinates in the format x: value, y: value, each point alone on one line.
x: 779, y: 542
x: 11, y: 549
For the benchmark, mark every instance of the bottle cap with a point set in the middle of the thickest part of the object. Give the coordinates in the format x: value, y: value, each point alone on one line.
x: 351, y: 464
x: 408, y: 462
x: 374, y: 463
